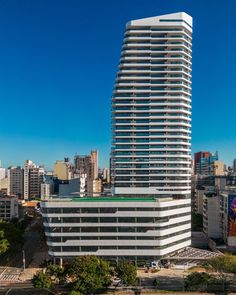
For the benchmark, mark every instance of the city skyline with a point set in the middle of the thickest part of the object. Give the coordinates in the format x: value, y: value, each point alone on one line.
x: 44, y: 68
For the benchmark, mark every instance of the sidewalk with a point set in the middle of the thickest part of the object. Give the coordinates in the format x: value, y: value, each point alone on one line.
x: 28, y: 274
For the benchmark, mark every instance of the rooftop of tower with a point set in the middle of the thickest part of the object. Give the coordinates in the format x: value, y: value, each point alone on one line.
x: 170, y: 19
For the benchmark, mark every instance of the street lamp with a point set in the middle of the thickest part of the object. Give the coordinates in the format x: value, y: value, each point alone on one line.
x: 23, y: 256
x: 183, y: 283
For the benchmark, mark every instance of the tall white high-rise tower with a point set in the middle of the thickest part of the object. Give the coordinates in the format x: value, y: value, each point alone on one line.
x: 151, y: 108
x: 149, y: 215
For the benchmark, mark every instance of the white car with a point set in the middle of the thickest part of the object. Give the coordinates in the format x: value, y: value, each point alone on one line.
x: 116, y: 280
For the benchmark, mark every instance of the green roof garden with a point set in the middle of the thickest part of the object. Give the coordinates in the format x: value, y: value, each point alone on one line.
x: 77, y: 198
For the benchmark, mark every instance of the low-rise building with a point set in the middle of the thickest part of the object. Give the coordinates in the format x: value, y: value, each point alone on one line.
x: 139, y: 229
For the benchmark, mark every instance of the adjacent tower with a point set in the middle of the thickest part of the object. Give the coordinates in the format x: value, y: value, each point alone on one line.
x: 151, y: 109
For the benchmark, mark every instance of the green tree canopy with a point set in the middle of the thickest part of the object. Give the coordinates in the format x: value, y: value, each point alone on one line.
x: 197, y: 281
x: 56, y: 272
x: 90, y: 274
x: 127, y: 272
x: 42, y: 280
x: 223, y: 264
x: 12, y: 232
x: 4, y: 244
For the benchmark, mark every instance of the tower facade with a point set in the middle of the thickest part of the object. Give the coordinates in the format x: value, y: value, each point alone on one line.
x: 151, y: 108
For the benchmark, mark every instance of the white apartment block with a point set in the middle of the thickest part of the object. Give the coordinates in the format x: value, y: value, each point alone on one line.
x: 139, y: 229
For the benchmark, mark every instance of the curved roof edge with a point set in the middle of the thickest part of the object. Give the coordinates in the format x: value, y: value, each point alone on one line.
x: 160, y: 20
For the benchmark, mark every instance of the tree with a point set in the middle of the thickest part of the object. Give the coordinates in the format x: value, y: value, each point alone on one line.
x: 223, y: 264
x: 4, y: 244
x: 127, y: 272
x: 12, y: 232
x: 42, y: 280
x: 89, y: 274
x: 56, y: 272
x: 197, y: 281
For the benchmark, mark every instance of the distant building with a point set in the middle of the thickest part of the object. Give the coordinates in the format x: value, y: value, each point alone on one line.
x: 94, y: 187
x: 33, y: 177
x: 71, y: 186
x: 45, y: 190
x: 15, y: 181
x: 106, y: 175
x: 53, y: 181
x: 234, y: 166
x: 4, y: 185
x: 211, y: 216
x: 218, y: 168
x: 8, y: 208
x: 203, y: 162
x: 87, y: 165
x: 62, y: 170
x: 2, y: 173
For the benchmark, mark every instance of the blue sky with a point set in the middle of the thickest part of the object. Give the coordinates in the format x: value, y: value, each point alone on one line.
x: 58, y: 60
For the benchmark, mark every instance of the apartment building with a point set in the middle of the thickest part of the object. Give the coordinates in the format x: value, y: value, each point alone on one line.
x: 87, y: 165
x: 33, y: 178
x: 15, y: 177
x: 8, y: 208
